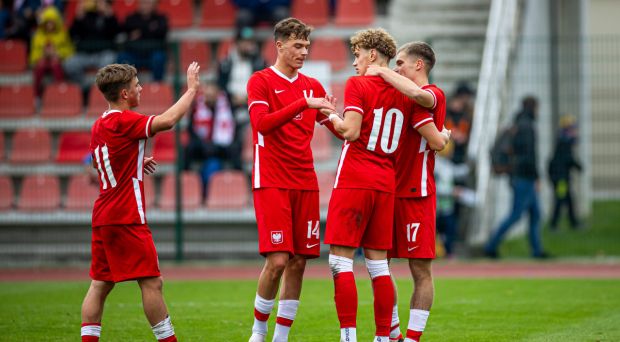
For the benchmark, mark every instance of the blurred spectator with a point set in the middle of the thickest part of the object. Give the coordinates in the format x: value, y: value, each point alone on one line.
x: 252, y: 12
x: 146, y: 31
x: 235, y: 69
x: 5, y: 17
x: 19, y: 17
x: 458, y: 120
x: 524, y: 182
x: 212, y: 131
x: 446, y: 214
x: 560, y: 166
x: 50, y: 46
x: 93, y: 32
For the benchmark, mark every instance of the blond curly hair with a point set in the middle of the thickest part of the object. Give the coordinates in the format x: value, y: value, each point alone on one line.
x: 378, y: 39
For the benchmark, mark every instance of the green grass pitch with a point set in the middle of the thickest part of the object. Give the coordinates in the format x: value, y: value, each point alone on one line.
x: 465, y: 310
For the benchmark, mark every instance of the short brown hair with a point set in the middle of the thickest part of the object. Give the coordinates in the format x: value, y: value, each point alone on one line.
x: 378, y: 39
x: 421, y: 50
x: 112, y: 78
x: 291, y: 28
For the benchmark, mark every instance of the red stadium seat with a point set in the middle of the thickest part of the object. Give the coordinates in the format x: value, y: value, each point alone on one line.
x: 96, y: 103
x: 73, y: 147
x: 223, y: 48
x: 321, y: 143
x: 191, y: 191
x: 195, y: 50
x: 355, y: 12
x: 332, y: 50
x: 155, y: 98
x: 2, y: 152
x: 82, y: 191
x: 218, y: 13
x: 14, y: 56
x: 70, y: 10
x: 17, y: 102
x: 61, y: 100
x: 6, y: 193
x: 338, y: 91
x: 164, y: 147
x: 326, y: 184
x: 149, y: 191
x: 312, y: 12
x: 31, y: 145
x: 228, y: 190
x: 269, y: 52
x: 39, y: 193
x: 123, y: 8
x: 180, y: 12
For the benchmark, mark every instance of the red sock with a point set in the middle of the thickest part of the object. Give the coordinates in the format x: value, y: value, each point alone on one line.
x: 383, y: 290
x: 90, y: 338
x: 172, y: 338
x: 346, y: 299
x: 414, y: 335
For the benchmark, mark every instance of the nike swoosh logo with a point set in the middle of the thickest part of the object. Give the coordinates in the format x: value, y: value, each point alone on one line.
x: 412, y: 248
x: 310, y: 246
x: 278, y: 91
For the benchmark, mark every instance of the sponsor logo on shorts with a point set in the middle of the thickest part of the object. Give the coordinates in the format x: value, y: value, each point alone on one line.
x: 277, y: 237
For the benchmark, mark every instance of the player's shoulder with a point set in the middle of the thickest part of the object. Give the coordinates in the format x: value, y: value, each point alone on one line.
x: 261, y: 77
x: 435, y: 89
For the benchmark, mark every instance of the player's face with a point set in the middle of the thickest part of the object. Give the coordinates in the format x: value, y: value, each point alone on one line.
x: 362, y: 60
x: 133, y: 93
x: 407, y: 65
x: 293, y: 52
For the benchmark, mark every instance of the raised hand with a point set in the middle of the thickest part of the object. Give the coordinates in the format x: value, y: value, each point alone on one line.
x: 320, y: 103
x: 373, y: 70
x: 149, y: 165
x: 193, y: 76
x: 331, y: 99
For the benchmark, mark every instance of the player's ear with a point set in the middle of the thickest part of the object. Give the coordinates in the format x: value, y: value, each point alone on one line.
x: 373, y: 55
x: 419, y: 64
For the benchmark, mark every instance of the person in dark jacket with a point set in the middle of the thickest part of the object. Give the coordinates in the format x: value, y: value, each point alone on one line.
x: 146, y: 31
x: 560, y: 166
x: 524, y: 182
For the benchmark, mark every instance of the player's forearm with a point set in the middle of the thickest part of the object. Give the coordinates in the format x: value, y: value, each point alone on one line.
x: 407, y: 87
x: 332, y: 129
x: 436, y: 140
x: 265, y: 123
x: 348, y: 128
x: 173, y: 115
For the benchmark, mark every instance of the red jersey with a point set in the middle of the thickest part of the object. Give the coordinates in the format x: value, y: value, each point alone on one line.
x: 117, y: 146
x: 368, y: 162
x: 282, y: 157
x: 415, y: 162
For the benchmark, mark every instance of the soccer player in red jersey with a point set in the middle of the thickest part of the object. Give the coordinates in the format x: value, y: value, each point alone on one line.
x: 122, y: 245
x: 284, y: 106
x: 414, y: 221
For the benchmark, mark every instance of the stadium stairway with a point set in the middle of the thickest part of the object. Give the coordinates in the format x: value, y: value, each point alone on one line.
x: 455, y: 28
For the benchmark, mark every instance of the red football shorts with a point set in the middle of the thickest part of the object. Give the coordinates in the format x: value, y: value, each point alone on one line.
x: 288, y: 221
x: 414, y: 228
x: 123, y: 252
x: 360, y: 218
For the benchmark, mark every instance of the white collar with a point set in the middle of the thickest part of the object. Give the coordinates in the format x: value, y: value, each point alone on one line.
x: 110, y: 111
x: 279, y: 73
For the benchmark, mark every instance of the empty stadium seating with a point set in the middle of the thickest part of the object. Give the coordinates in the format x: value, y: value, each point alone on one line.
x: 31, y: 145
x: 355, y: 12
x: 326, y: 184
x: 164, y: 147
x: 312, y: 12
x: 2, y: 152
x: 61, y: 100
x: 82, y: 191
x: 247, y: 149
x: 228, y: 189
x: 96, y: 103
x: 155, y: 98
x: 149, y: 191
x: 180, y: 12
x: 195, y: 50
x: 218, y: 13
x: 269, y: 52
x: 321, y: 143
x: 223, y: 48
x: 39, y: 193
x: 6, y: 193
x: 338, y: 91
x: 13, y: 54
x: 191, y: 190
x: 73, y: 147
x: 332, y: 50
x: 16, y: 102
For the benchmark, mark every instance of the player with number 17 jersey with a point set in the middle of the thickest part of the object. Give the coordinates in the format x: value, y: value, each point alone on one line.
x: 357, y: 218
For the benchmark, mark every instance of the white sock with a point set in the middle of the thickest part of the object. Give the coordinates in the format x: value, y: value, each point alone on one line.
x: 91, y: 330
x: 264, y: 306
x: 163, y: 329
x: 395, y: 332
x: 348, y: 335
x: 287, y: 310
x: 417, y: 319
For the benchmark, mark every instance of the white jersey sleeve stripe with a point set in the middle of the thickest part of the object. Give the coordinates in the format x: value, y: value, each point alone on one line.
x: 257, y: 102
x: 138, y: 194
x: 423, y: 122
x: 434, y: 98
x: 148, y: 126
x: 354, y: 108
x: 256, y: 167
x: 424, y: 185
